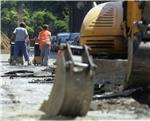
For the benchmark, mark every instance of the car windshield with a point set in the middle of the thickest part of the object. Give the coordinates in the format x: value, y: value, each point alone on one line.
x: 74, y: 35
x: 63, y: 37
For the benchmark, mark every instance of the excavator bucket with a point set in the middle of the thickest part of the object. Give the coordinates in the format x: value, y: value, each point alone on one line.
x: 139, y: 56
x: 73, y: 85
x: 138, y: 65
x: 138, y: 75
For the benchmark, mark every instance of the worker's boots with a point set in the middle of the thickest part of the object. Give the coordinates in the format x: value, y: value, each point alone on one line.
x: 14, y: 62
x: 28, y: 63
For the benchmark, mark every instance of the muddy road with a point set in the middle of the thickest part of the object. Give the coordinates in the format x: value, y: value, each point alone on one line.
x: 20, y: 99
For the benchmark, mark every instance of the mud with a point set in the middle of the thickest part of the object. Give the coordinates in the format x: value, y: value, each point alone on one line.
x: 21, y: 100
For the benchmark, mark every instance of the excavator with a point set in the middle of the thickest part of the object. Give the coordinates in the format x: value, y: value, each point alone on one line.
x: 114, y: 37
x: 120, y: 30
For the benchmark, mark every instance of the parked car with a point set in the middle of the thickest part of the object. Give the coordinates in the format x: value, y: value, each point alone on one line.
x: 63, y: 38
x: 67, y: 37
x: 74, y: 39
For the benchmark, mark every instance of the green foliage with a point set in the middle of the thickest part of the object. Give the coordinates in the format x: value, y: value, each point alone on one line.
x: 60, y: 26
x: 35, y: 14
x: 30, y: 30
x: 8, y: 20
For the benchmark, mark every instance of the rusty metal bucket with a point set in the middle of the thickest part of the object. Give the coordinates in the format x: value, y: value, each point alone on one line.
x: 138, y: 65
x: 73, y: 85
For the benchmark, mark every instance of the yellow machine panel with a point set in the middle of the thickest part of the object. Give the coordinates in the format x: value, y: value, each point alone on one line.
x: 101, y: 29
x: 133, y: 14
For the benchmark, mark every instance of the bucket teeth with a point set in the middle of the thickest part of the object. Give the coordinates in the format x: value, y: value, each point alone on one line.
x: 44, y: 107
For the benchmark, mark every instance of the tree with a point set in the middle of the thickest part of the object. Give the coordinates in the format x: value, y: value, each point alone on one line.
x: 35, y: 14
x: 9, y: 20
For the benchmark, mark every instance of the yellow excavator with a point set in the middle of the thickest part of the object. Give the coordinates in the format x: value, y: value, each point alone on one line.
x: 120, y: 30
x: 117, y: 36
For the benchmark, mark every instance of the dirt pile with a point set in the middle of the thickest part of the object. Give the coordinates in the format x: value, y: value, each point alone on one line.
x: 4, y: 43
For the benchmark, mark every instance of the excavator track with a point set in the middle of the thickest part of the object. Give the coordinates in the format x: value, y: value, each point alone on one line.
x: 73, y: 85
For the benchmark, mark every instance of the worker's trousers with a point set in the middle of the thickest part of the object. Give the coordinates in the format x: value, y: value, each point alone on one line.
x: 20, y: 47
x: 45, y: 51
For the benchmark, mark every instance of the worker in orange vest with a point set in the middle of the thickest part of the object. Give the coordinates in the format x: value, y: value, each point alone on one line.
x: 44, y: 38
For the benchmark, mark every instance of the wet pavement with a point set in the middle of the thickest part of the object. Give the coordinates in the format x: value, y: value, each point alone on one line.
x: 21, y: 100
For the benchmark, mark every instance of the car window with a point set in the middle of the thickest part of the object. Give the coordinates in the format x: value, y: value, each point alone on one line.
x: 63, y: 38
x: 74, y: 35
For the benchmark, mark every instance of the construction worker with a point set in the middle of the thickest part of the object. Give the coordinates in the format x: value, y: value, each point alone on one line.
x: 44, y: 38
x: 20, y: 34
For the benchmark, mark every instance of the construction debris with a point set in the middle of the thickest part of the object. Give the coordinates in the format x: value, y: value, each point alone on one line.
x: 26, y: 73
x: 39, y: 81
